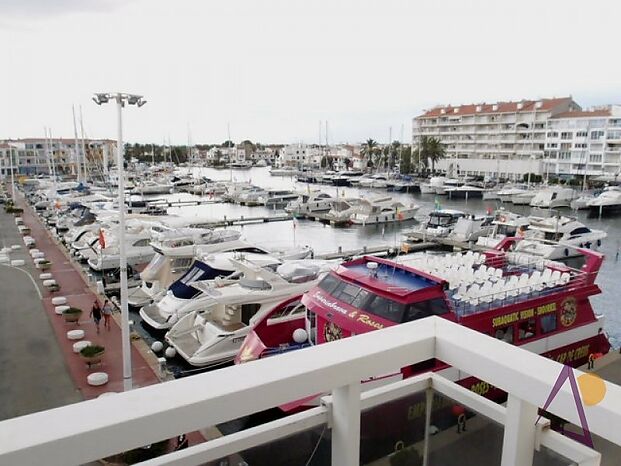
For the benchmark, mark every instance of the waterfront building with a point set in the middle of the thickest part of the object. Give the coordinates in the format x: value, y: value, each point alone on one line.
x: 33, y: 156
x: 505, y: 139
x: 582, y: 143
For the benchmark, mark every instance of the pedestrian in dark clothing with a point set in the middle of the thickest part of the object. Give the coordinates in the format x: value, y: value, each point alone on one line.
x: 96, y: 314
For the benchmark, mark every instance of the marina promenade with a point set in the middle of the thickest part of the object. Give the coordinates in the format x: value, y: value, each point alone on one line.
x: 78, y: 294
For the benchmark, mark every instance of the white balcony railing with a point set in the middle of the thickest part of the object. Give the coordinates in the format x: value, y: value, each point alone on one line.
x: 86, y: 431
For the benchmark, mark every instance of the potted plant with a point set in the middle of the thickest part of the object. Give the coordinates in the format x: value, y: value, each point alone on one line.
x: 92, y: 354
x: 53, y: 288
x: 45, y: 265
x: 72, y: 314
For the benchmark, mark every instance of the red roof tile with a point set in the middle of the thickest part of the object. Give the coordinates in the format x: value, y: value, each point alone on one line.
x: 581, y: 114
x: 503, y: 107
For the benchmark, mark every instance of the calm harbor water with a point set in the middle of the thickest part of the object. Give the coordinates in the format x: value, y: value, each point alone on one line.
x: 326, y: 238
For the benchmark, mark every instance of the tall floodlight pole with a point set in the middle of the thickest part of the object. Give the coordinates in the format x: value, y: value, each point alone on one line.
x: 122, y: 99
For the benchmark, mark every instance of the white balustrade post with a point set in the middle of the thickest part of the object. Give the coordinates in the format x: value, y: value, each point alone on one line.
x: 346, y: 425
x: 518, y: 443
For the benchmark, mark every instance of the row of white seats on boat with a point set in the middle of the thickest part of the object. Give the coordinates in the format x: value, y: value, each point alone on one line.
x: 457, y: 274
x: 512, y: 286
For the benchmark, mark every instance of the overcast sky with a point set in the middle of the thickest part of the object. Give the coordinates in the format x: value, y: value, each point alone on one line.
x: 274, y: 68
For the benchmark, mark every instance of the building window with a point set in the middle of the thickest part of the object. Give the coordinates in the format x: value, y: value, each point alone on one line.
x: 596, y: 135
x: 580, y: 145
x: 552, y: 145
x: 566, y: 135
x: 596, y: 158
x: 564, y: 155
x: 581, y: 134
x: 552, y: 134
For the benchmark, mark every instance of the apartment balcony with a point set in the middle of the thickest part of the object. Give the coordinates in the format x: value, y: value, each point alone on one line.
x: 510, y: 435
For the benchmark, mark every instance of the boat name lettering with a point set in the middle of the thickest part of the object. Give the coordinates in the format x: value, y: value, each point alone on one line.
x: 546, y: 309
x: 573, y: 354
x: 365, y: 319
x: 331, y: 304
x: 506, y: 319
x: 524, y: 314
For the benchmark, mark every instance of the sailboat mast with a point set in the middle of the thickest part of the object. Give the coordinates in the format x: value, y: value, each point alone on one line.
x: 228, y: 143
x: 83, y: 160
x: 75, y: 152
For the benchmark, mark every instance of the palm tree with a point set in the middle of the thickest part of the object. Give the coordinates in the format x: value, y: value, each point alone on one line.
x: 369, y: 148
x: 431, y: 149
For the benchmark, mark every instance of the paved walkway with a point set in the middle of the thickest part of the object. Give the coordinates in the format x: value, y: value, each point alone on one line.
x: 78, y: 294
x: 33, y: 373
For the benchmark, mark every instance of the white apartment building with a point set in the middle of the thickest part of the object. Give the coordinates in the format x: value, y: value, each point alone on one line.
x: 300, y: 155
x: 505, y: 139
x: 32, y: 156
x: 584, y: 143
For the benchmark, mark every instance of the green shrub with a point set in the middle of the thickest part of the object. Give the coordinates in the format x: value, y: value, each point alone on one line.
x: 92, y: 350
x: 73, y: 310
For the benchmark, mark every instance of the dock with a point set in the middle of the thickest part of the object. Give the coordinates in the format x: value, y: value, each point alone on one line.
x: 244, y: 220
x: 388, y: 250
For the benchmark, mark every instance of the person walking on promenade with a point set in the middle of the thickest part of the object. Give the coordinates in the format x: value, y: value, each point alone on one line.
x: 96, y: 314
x: 107, y: 314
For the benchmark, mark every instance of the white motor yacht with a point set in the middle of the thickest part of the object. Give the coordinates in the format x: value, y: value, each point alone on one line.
x: 382, y: 210
x: 315, y: 201
x: 471, y: 228
x: 277, y: 198
x: 374, y: 181
x: 508, y: 191
x: 152, y: 187
x: 524, y: 198
x: 553, y: 198
x: 341, y: 210
x: 439, y: 224
x: 607, y: 203
x: 214, y: 332
x: 506, y: 224
x: 209, y: 265
x: 430, y: 186
x: 566, y: 231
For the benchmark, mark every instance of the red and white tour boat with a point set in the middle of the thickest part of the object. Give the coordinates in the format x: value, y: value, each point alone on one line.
x: 541, y: 306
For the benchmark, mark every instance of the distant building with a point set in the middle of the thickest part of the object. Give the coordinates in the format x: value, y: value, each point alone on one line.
x: 584, y: 143
x: 32, y: 156
x: 504, y: 138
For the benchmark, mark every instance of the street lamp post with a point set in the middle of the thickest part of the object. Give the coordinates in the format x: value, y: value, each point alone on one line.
x: 122, y: 99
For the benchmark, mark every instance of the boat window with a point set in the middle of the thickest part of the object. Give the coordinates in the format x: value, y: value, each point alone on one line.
x: 431, y: 307
x: 248, y: 310
x: 360, y: 300
x: 548, y: 323
x: 251, y: 250
x: 329, y: 283
x: 292, y: 309
x: 553, y: 196
x: 504, y: 333
x: 142, y: 243
x: 580, y: 231
x: 385, y: 308
x: 346, y: 292
x: 526, y: 329
x: 181, y: 263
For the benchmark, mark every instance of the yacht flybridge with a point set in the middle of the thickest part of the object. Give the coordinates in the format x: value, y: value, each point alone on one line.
x: 542, y: 307
x: 214, y: 333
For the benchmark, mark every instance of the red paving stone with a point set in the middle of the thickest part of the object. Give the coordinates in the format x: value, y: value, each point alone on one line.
x: 74, y: 288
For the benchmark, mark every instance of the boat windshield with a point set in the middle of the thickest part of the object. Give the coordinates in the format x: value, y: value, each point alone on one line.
x: 437, y: 220
x: 380, y: 306
x: 183, y: 289
x: 156, y: 264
